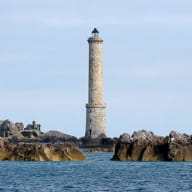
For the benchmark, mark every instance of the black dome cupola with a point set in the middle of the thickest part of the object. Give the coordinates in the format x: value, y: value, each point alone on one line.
x: 95, y: 32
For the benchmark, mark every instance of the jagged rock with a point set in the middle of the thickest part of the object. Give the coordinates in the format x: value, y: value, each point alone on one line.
x: 143, y: 135
x: 180, y: 146
x: 31, y: 130
x: 178, y: 136
x: 125, y: 138
x: 57, y: 137
x: 57, y: 134
x: 19, y: 126
x: 39, y: 152
x: 33, y: 126
x: 30, y: 133
x: 146, y: 146
x: 9, y: 129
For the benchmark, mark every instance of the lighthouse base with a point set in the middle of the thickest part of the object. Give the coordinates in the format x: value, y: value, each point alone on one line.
x: 95, y: 121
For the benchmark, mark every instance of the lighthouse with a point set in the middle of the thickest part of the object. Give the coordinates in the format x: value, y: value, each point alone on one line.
x: 95, y: 109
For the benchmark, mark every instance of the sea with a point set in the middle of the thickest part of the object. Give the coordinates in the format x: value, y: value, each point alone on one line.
x: 98, y: 173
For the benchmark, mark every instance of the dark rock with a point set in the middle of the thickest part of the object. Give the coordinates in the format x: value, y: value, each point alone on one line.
x: 57, y: 137
x: 146, y: 146
x: 175, y: 136
x: 19, y: 126
x: 125, y: 138
x: 39, y: 152
x: 30, y: 133
x: 97, y: 142
x: 180, y: 147
x: 143, y: 135
x: 33, y: 126
x: 32, y: 130
x: 9, y: 129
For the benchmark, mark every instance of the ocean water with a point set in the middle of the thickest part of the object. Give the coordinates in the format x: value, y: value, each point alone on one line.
x: 96, y: 174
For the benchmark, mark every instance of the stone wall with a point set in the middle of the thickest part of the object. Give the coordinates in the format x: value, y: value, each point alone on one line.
x: 95, y: 124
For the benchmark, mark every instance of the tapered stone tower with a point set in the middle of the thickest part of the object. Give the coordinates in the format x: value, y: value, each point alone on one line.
x: 95, y: 109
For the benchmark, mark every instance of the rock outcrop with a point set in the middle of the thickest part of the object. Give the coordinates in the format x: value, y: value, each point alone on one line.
x: 180, y: 147
x: 39, y: 152
x: 31, y: 130
x: 9, y: 129
x: 57, y: 137
x: 146, y: 146
x: 17, y: 132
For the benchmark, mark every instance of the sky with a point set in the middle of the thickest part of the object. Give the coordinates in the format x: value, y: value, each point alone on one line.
x: 147, y: 63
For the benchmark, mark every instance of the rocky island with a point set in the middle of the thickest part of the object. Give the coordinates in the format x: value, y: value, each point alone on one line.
x: 19, y: 143
x: 31, y: 144
x: 146, y: 146
x: 39, y: 152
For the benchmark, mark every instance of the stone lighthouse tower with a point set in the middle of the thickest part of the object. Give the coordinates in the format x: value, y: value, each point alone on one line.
x: 95, y: 109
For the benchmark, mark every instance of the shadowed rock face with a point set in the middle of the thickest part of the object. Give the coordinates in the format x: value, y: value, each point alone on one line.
x: 57, y: 137
x: 146, y: 146
x: 16, y: 132
x: 39, y: 152
x: 180, y: 147
x: 8, y: 129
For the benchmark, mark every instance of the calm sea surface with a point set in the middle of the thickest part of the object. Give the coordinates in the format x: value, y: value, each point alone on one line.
x: 96, y: 174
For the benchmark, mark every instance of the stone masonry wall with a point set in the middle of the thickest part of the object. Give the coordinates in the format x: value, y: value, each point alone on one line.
x: 95, y: 114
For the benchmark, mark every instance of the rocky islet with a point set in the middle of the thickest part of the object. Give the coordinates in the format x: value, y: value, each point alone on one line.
x: 29, y: 143
x: 146, y: 146
x: 39, y: 151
